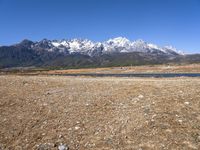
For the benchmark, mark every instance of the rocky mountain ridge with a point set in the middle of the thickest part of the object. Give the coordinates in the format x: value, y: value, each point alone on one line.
x: 78, y: 53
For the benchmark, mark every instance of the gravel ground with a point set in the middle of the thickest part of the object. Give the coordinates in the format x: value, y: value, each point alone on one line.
x: 54, y: 112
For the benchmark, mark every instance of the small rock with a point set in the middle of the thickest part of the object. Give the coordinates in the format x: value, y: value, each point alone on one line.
x: 187, y: 103
x: 168, y: 130
x: 140, y: 96
x: 63, y: 147
x: 76, y: 128
x: 69, y: 129
x: 180, y: 121
x: 154, y: 116
x: 43, y: 134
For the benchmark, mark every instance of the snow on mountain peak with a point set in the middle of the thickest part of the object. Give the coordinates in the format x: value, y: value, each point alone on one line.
x: 153, y: 46
x: 121, y: 41
x: 119, y: 44
x: 171, y: 48
x: 87, y: 47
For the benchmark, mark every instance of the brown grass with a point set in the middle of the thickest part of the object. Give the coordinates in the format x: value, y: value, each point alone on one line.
x: 38, y: 112
x: 194, y: 68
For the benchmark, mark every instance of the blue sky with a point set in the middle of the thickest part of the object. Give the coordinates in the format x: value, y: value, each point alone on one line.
x: 163, y: 22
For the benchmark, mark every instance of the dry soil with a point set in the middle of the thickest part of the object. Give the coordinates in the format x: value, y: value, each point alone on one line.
x: 51, y: 112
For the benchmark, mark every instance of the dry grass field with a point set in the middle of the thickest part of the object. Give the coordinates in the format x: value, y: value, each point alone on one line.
x: 81, y: 113
x: 192, y: 68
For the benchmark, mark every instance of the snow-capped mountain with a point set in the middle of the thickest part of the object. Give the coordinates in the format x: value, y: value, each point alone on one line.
x: 121, y: 44
x: 87, y: 47
x: 85, y: 53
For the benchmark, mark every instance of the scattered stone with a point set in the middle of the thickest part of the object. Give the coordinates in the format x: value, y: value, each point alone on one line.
x: 69, y: 129
x: 140, y: 96
x: 154, y: 116
x: 180, y: 121
x: 77, y: 127
x: 187, y: 103
x: 167, y: 120
x: 168, y: 130
x: 43, y: 134
x: 63, y: 147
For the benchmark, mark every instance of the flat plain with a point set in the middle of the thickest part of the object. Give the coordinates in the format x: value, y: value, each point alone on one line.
x: 51, y: 112
x: 187, y: 68
x: 190, y: 68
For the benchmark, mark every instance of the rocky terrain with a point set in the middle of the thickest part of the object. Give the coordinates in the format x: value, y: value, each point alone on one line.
x: 52, y: 112
x: 83, y: 53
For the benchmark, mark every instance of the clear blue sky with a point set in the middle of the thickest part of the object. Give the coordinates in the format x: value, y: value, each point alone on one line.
x: 163, y: 22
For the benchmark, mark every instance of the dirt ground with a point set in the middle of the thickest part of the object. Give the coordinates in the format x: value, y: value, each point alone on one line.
x: 187, y: 68
x: 192, y: 68
x: 81, y: 113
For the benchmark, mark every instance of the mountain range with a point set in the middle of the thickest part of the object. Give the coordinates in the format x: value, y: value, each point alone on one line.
x: 76, y: 53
